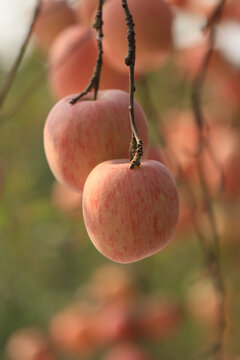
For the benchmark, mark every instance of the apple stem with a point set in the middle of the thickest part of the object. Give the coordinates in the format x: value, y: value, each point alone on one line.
x: 211, y: 247
x: 11, y: 75
x: 215, y: 16
x: 95, y: 78
x: 136, y: 144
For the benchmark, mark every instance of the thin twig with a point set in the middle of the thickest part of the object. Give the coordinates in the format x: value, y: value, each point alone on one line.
x: 136, y: 144
x: 199, y: 81
x: 215, y: 15
x: 26, y: 95
x: 11, y: 75
x: 95, y: 78
x: 213, y: 250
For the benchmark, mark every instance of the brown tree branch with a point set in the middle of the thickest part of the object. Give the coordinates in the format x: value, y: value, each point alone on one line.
x: 12, y: 73
x: 212, y: 251
x: 136, y: 144
x: 95, y: 78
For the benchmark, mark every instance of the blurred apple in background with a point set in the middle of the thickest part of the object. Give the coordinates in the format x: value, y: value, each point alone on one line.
x: 126, y: 351
x: 154, y: 41
x: 159, y: 317
x: 182, y: 136
x: 157, y: 153
x: 112, y: 323
x: 69, y: 330
x: 65, y: 199
x: 219, y: 156
x: 85, y: 11
x: 190, y: 58
x: 72, y: 60
x: 28, y: 344
x: 111, y: 282
x: 203, y: 302
x: 231, y: 11
x: 202, y: 7
x: 55, y: 15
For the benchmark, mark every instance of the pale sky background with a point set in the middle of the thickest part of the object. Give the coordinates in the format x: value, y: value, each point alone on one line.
x: 15, y: 17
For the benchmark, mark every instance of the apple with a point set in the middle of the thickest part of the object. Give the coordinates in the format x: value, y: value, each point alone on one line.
x: 159, y: 317
x: 54, y: 16
x: 65, y: 199
x: 28, y: 344
x: 182, y: 136
x: 219, y: 158
x: 203, y: 301
x: 80, y: 136
x: 153, y: 27
x: 126, y: 351
x: 130, y: 214
x: 177, y: 3
x: 202, y: 7
x: 112, y: 282
x: 231, y: 11
x: 156, y: 152
x: 111, y: 323
x: 69, y: 329
x: 72, y: 59
x: 187, y: 214
x: 190, y: 59
x: 85, y: 11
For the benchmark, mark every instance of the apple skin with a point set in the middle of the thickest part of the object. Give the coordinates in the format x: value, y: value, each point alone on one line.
x: 72, y: 59
x: 65, y: 199
x: 126, y: 351
x: 153, y: 27
x: 130, y: 214
x: 85, y: 11
x: 70, y: 331
x: 80, y: 136
x: 28, y: 343
x: 159, y: 316
x: 54, y: 17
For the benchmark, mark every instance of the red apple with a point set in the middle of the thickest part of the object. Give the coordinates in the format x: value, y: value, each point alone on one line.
x: 65, y: 199
x: 28, y: 344
x: 191, y: 58
x: 71, y: 62
x: 80, y: 136
x: 113, y: 322
x: 178, y: 3
x: 69, y: 329
x: 110, y: 283
x: 126, y: 351
x: 130, y: 214
x: 85, y: 11
x: 182, y: 136
x: 53, y: 18
x: 203, y: 302
x: 203, y: 7
x: 153, y: 27
x: 156, y: 152
x: 231, y: 11
x: 159, y: 317
x: 220, y: 154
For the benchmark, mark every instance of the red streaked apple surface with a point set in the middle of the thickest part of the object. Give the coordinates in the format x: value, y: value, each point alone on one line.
x: 78, y: 137
x: 71, y: 63
x: 130, y: 214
